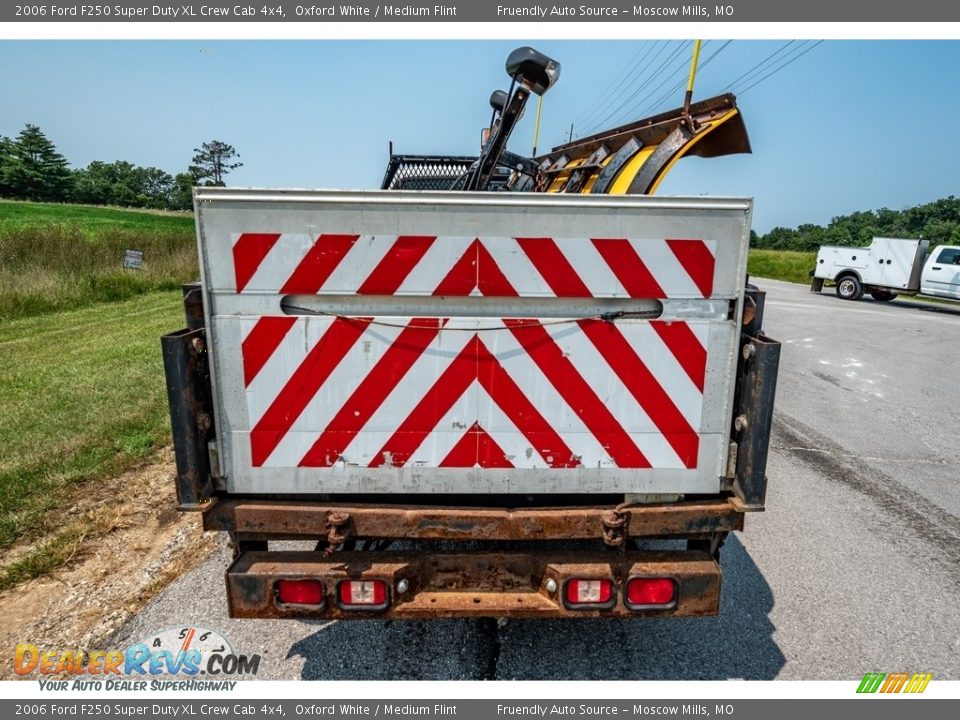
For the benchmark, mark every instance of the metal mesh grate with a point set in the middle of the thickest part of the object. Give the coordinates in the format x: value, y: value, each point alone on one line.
x: 424, y: 172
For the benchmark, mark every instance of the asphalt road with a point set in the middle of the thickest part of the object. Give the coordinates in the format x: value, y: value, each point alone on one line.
x: 854, y: 567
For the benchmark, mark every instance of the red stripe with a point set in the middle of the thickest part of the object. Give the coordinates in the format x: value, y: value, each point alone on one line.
x: 303, y: 385
x: 514, y: 403
x: 577, y: 393
x: 462, y: 277
x: 476, y: 447
x: 248, y: 252
x: 372, y: 391
x: 318, y: 264
x: 686, y: 348
x: 553, y: 265
x: 629, y: 268
x: 436, y: 403
x: 641, y: 383
x: 697, y: 260
x: 490, y: 280
x: 476, y: 269
x: 261, y: 342
x: 558, y: 369
x: 393, y: 269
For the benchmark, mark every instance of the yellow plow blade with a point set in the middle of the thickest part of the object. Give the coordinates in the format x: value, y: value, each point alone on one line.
x: 633, y: 159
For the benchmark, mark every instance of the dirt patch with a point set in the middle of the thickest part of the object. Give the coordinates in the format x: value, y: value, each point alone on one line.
x: 142, y: 546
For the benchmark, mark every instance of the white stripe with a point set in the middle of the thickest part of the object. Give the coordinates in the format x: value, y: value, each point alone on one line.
x: 544, y: 396
x: 666, y: 268
x: 517, y: 268
x: 666, y: 369
x: 498, y: 425
x: 589, y: 264
x: 409, y: 391
x: 616, y: 397
x: 434, y: 266
x: 275, y: 373
x: 278, y: 265
x: 356, y: 266
x: 349, y: 372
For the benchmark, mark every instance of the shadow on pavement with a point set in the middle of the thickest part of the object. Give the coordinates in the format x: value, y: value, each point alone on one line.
x: 736, y: 644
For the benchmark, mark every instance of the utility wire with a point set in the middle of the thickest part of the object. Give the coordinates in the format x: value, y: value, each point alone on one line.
x: 607, y: 95
x: 653, y: 75
x: 663, y: 98
x: 678, y: 69
x: 756, y: 67
x: 778, y: 69
x: 641, y: 78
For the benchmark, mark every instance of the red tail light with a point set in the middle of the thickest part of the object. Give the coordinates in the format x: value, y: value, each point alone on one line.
x: 299, y: 592
x: 650, y: 592
x: 362, y: 594
x: 589, y: 593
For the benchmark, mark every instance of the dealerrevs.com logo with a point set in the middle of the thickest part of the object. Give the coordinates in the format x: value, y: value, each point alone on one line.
x: 187, y: 652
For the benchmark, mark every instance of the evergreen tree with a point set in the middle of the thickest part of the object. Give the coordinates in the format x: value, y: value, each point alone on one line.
x: 34, y: 170
x: 6, y: 150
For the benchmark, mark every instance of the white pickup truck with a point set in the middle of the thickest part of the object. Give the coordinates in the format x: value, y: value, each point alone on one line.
x: 889, y: 267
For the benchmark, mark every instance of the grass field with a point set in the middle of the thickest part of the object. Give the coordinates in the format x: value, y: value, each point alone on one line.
x: 782, y: 265
x: 81, y: 377
x: 56, y: 257
x: 83, y: 397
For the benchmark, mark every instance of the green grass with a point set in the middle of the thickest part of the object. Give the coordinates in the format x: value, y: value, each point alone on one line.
x: 57, y: 257
x: 91, y: 219
x: 83, y: 399
x: 785, y: 265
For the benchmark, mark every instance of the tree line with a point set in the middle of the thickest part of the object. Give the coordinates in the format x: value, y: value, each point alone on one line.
x: 938, y: 222
x: 31, y: 168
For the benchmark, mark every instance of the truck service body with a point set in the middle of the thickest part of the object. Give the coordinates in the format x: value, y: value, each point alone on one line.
x: 889, y: 267
x: 477, y: 403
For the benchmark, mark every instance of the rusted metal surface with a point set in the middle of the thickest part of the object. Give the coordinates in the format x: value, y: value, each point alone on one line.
x: 615, y: 527
x: 338, y: 530
x: 510, y: 585
x: 756, y: 390
x: 191, y: 414
x: 293, y: 519
x: 193, y: 305
x: 728, y: 139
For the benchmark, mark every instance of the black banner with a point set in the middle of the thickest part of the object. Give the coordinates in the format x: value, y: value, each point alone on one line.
x: 628, y: 11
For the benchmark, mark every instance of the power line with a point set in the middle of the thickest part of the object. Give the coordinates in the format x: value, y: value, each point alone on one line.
x: 776, y: 70
x: 644, y: 78
x: 678, y: 69
x: 756, y: 67
x: 607, y: 95
x: 646, y: 83
x: 654, y: 105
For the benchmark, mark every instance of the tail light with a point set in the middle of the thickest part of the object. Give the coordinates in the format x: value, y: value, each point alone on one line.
x: 646, y: 593
x: 306, y: 591
x: 589, y: 593
x: 362, y: 594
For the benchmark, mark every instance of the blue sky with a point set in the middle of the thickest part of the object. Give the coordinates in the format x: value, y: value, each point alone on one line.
x: 850, y: 125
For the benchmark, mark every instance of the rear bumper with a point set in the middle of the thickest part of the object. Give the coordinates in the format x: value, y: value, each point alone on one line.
x: 507, y: 585
x: 255, y: 519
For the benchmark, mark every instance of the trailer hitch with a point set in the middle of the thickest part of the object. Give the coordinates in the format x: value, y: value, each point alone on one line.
x: 338, y: 530
x: 615, y: 524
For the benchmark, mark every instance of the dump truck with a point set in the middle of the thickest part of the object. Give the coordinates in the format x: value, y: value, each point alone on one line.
x: 499, y: 386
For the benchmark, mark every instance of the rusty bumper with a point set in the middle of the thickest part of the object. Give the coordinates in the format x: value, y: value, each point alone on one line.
x: 265, y: 519
x: 508, y: 585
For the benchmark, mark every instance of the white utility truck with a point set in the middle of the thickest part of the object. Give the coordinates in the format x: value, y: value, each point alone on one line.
x: 518, y: 370
x: 889, y: 267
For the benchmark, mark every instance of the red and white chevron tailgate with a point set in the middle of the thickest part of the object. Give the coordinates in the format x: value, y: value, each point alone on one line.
x: 478, y: 401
